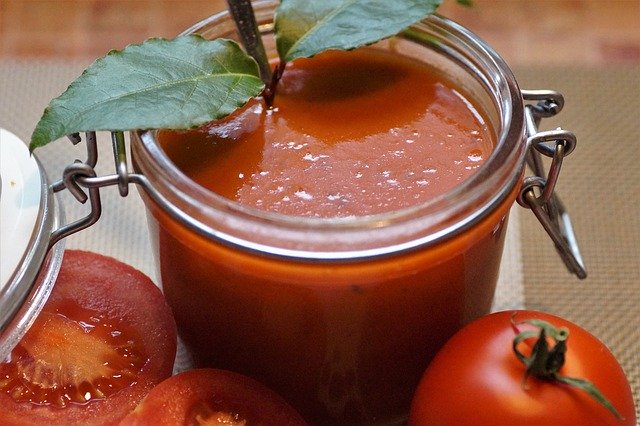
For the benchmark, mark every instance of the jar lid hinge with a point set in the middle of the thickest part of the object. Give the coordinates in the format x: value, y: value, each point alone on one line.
x: 537, y: 192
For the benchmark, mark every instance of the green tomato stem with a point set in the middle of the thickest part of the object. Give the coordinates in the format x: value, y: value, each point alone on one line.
x: 546, y: 360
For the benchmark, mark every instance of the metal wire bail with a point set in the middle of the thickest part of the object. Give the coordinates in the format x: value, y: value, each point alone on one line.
x: 79, y: 176
x: 537, y: 192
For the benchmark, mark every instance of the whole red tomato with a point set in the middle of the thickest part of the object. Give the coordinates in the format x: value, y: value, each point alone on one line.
x: 104, y: 338
x: 477, y: 379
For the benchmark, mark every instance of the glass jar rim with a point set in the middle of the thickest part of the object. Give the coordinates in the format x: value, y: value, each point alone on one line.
x: 487, y: 188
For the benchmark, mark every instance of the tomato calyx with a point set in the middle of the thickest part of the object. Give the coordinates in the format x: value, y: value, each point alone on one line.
x: 546, y: 360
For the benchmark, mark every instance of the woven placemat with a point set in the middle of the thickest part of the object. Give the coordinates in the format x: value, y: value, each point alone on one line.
x: 598, y: 184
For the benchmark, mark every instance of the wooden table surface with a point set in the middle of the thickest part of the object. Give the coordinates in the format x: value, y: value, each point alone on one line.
x: 553, y: 32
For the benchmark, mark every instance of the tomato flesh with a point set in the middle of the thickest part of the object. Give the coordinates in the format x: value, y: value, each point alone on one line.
x: 212, y: 397
x: 104, y: 338
x: 477, y: 380
x: 107, y: 360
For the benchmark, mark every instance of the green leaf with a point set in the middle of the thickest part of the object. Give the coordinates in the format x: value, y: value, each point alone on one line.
x: 305, y: 28
x: 160, y: 83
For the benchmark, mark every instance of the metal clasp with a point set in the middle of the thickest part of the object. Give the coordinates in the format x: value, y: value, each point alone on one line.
x: 79, y: 175
x: 537, y: 192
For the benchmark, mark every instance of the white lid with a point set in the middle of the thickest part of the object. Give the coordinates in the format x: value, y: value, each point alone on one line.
x: 28, y: 215
x: 19, y: 203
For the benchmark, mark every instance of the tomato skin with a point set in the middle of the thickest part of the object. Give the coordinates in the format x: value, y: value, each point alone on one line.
x: 203, y: 392
x: 477, y: 380
x: 125, y: 296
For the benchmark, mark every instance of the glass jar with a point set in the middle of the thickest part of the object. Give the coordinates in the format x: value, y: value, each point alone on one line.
x: 339, y: 316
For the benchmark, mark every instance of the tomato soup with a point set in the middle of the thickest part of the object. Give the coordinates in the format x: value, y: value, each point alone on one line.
x: 367, y: 136
x: 349, y: 134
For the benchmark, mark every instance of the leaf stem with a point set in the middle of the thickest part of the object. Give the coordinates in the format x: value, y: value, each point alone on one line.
x: 270, y: 91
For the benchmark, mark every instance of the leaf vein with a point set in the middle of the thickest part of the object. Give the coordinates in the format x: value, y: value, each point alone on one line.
x: 321, y: 22
x: 232, y: 88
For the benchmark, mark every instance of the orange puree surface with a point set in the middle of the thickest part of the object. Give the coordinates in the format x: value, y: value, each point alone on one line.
x: 349, y: 134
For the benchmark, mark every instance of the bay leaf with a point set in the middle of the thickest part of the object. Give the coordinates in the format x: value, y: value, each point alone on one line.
x: 175, y: 84
x: 305, y: 28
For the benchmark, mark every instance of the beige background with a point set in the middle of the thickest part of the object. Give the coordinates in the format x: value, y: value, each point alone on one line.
x: 547, y: 32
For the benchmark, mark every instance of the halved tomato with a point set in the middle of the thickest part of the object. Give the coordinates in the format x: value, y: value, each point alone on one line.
x: 212, y: 397
x: 104, y: 338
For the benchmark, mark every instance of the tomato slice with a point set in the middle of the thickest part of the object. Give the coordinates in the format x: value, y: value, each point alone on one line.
x: 104, y: 338
x: 212, y: 397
